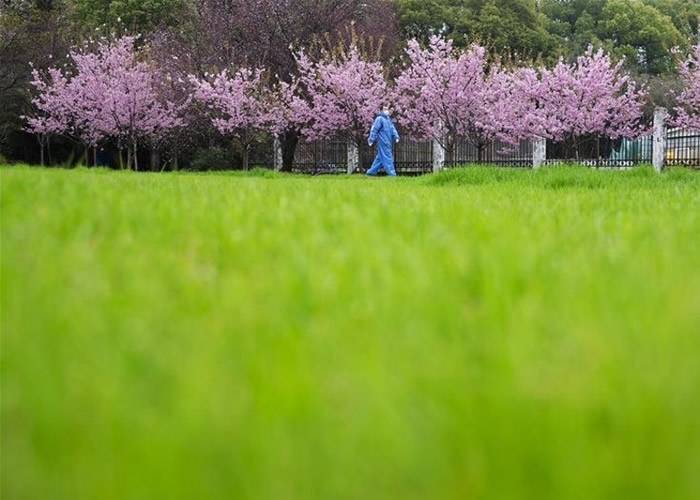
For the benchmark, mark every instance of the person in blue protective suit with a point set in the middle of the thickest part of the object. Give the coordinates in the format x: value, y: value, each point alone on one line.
x: 384, y: 135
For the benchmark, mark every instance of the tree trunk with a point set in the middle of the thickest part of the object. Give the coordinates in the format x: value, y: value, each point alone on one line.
x: 136, y: 157
x: 155, y: 159
x: 41, y: 151
x: 480, y: 152
x: 353, y: 156
x: 450, y: 152
x: 246, y: 157
x: 48, y: 149
x: 121, y: 159
x: 176, y: 163
x: 94, y: 156
x: 289, y: 140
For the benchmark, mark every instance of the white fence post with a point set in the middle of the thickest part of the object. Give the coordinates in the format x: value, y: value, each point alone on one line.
x: 438, y: 156
x: 660, y: 139
x: 439, y: 149
x: 277, y: 152
x: 539, y: 152
x: 439, y: 152
x: 353, y: 157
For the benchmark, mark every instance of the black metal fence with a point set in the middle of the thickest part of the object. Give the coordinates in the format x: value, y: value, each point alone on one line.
x: 321, y: 157
x: 683, y: 148
x: 494, y: 153
x: 262, y: 154
x: 601, y: 152
x: 331, y: 156
x: 413, y: 157
x: 416, y: 157
x: 410, y: 157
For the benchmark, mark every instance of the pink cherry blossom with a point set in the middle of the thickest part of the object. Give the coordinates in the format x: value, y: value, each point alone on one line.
x: 241, y: 106
x: 109, y: 93
x: 445, y: 94
x: 592, y: 96
x: 338, y: 96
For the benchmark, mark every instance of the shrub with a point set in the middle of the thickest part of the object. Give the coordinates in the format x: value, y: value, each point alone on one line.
x: 214, y: 158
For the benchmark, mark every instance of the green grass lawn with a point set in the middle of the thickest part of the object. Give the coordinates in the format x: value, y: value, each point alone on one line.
x: 483, y: 333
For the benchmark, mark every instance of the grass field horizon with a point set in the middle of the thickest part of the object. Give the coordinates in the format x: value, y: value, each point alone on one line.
x: 480, y: 333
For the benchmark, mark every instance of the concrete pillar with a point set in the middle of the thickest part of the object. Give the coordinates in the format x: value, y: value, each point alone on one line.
x: 660, y: 139
x: 277, y: 153
x: 353, y: 157
x: 438, y: 156
x: 539, y: 152
x: 439, y: 153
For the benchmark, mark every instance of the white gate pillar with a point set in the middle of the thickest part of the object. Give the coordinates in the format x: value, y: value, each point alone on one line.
x: 438, y: 156
x: 439, y: 152
x: 539, y: 152
x: 660, y: 139
x: 277, y: 154
x: 353, y: 157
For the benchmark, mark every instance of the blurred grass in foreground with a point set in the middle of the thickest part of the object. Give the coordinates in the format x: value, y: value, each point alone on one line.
x: 483, y: 333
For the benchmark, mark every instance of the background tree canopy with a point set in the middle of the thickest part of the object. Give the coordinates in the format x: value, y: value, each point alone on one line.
x: 635, y: 29
x: 643, y: 31
x: 504, y: 25
x: 136, y: 16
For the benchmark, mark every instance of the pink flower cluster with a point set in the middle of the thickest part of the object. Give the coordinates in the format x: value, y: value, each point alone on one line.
x: 591, y: 96
x: 339, y: 96
x: 239, y: 103
x: 109, y: 93
x: 53, y: 109
x: 445, y: 94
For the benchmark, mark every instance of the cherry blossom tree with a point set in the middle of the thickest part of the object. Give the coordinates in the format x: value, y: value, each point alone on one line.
x: 240, y: 106
x: 517, y: 95
x: 53, y: 108
x: 444, y: 94
x: 506, y: 113
x: 688, y: 112
x: 64, y: 106
x: 176, y: 91
x: 338, y: 95
x: 109, y: 93
x: 130, y: 107
x: 590, y: 97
